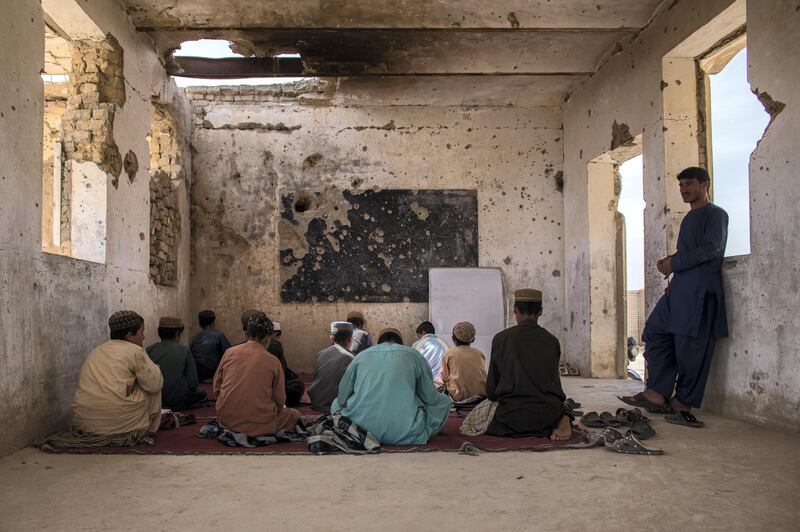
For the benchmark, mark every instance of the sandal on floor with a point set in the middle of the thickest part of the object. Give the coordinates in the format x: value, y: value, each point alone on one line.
x: 592, y: 419
x: 684, y: 418
x: 631, y: 445
x: 604, y: 437
x: 641, y: 401
x: 610, y: 421
x: 570, y: 403
x: 642, y: 430
x: 562, y: 370
x: 629, y: 416
x: 572, y: 407
x: 573, y: 372
x: 610, y: 435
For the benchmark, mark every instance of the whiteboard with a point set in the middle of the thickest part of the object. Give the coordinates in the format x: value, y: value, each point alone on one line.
x: 467, y: 294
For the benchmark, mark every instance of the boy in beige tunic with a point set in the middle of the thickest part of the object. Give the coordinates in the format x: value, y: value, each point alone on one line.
x: 119, y: 388
x: 464, y: 367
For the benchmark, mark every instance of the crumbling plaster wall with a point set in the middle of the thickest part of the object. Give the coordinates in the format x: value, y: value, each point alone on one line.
x: 756, y: 373
x: 252, y: 145
x: 54, y: 309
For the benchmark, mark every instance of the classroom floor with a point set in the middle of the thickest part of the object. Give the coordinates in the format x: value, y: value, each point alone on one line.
x: 728, y: 476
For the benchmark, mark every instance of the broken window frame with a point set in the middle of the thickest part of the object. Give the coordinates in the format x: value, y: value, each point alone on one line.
x: 709, y: 63
x: 89, y: 157
x: 52, y: 239
x: 165, y: 179
x: 712, y: 62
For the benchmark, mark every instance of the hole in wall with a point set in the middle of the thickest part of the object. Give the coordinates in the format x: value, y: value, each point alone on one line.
x: 131, y: 165
x: 302, y: 204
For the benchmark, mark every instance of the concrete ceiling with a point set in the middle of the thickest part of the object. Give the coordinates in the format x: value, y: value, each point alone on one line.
x: 535, y: 39
x: 442, y: 14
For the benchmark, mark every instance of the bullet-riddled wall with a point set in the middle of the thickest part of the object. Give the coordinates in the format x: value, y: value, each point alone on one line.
x: 755, y: 372
x: 54, y: 308
x: 256, y: 146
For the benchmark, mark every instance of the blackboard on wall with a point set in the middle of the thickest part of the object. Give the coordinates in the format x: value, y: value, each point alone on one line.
x: 372, y: 246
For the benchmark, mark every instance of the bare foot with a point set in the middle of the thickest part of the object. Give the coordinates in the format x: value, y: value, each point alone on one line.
x: 654, y: 397
x: 677, y: 406
x: 563, y: 431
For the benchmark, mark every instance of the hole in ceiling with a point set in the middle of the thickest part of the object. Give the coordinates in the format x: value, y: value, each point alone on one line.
x: 211, y: 48
x: 222, y: 48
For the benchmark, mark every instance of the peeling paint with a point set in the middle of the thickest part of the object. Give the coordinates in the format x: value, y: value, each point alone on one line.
x: 131, y: 165
x: 772, y: 107
x: 559, y: 179
x: 254, y: 126
x: 421, y: 212
x: 620, y: 135
x: 312, y: 160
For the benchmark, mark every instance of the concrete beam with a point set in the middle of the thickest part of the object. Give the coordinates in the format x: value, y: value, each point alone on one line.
x: 509, y: 14
x: 234, y: 67
x: 69, y: 17
x: 395, y: 51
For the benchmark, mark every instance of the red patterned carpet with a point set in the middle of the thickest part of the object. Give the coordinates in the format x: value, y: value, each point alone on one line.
x: 184, y: 440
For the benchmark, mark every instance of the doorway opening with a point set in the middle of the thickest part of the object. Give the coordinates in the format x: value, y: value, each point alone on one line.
x: 607, y: 245
x: 631, y: 206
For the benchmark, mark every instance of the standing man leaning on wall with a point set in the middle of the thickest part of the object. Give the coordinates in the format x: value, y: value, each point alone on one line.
x: 681, y: 332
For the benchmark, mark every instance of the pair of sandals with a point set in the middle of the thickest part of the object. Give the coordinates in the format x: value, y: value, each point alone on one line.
x: 566, y: 370
x: 612, y: 440
x: 175, y: 420
x: 681, y: 417
x: 633, y: 418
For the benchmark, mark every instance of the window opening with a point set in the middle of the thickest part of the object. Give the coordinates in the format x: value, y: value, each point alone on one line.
x: 738, y: 122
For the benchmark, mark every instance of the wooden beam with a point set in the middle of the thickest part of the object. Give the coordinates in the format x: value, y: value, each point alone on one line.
x: 235, y: 67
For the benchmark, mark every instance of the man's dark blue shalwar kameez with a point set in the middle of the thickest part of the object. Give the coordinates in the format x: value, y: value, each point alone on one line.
x: 681, y: 331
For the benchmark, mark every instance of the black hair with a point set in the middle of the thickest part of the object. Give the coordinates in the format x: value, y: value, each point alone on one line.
x: 342, y: 336
x: 133, y: 329
x: 206, y: 318
x: 390, y: 337
x: 426, y: 327
x: 255, y: 332
x: 358, y: 323
x: 528, y: 308
x: 169, y: 333
x: 694, y: 172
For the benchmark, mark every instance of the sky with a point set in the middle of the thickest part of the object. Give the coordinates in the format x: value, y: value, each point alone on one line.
x: 216, y: 49
x: 631, y: 205
x: 737, y: 123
